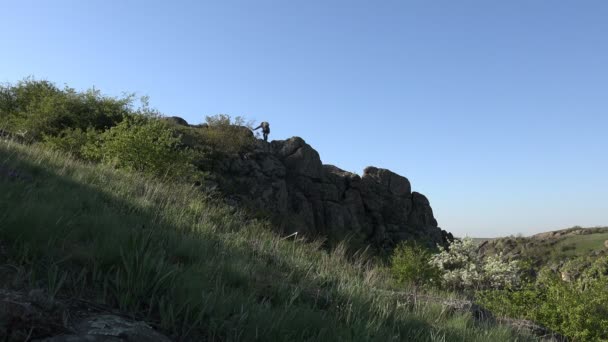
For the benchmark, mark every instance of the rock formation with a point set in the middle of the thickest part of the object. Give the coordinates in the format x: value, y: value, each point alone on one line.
x: 287, y: 180
x: 36, y: 316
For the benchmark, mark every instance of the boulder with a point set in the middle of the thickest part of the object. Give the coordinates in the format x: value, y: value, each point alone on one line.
x: 36, y: 316
x: 110, y: 328
x: 176, y: 120
x: 394, y: 183
x: 299, y: 158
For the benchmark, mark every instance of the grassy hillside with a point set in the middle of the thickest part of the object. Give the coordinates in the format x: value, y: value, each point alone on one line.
x: 197, y: 269
x: 583, y: 243
x: 550, y: 247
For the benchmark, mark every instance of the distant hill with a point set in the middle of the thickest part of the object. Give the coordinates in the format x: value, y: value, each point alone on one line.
x: 550, y: 247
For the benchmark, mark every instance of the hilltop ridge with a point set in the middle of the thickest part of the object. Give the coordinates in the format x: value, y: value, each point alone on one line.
x: 287, y: 180
x: 552, y: 247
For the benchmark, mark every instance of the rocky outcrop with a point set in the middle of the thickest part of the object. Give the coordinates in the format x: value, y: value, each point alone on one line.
x: 110, y: 328
x: 36, y: 316
x: 286, y: 179
x: 176, y: 120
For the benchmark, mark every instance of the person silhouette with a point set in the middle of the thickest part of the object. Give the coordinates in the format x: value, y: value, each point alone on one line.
x: 265, y: 126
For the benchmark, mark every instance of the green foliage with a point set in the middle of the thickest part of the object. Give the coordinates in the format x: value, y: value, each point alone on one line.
x: 148, y: 145
x: 573, y: 268
x: 511, y: 302
x: 139, y: 143
x: 410, y: 264
x: 96, y: 128
x: 597, y: 270
x: 577, y: 309
x: 42, y: 109
x: 80, y: 144
x: 226, y: 135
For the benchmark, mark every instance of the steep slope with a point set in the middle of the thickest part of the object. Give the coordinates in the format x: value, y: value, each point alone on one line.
x: 192, y: 267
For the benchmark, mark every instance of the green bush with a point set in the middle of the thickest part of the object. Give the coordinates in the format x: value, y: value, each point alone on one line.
x: 226, y: 135
x: 579, y: 312
x: 42, y: 109
x: 410, y: 264
x: 597, y: 270
x: 94, y: 127
x: 78, y: 143
x: 219, y: 138
x: 146, y: 144
x: 512, y: 302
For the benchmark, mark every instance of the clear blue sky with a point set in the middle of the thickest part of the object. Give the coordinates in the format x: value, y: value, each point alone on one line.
x: 496, y: 110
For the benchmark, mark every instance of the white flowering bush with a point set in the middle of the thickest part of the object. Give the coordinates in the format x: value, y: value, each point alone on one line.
x: 499, y: 273
x: 461, y: 267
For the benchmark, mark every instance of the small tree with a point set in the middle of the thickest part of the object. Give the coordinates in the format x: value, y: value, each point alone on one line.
x: 498, y: 273
x: 226, y: 135
x: 410, y: 264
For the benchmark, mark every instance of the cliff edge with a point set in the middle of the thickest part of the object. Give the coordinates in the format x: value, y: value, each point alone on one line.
x: 286, y: 179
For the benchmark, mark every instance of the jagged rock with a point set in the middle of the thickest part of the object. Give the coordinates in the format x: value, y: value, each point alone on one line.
x: 287, y: 179
x: 176, y: 120
x: 422, y: 213
x: 299, y: 158
x: 394, y: 183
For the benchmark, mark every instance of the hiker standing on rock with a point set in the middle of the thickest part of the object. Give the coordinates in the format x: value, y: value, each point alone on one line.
x: 265, y: 126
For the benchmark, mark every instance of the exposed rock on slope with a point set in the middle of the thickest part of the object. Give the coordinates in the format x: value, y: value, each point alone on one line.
x: 287, y: 180
x: 37, y: 317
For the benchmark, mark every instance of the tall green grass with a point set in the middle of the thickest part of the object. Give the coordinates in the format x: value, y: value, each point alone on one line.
x: 200, y: 270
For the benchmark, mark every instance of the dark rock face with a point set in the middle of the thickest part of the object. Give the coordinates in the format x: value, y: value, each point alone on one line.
x: 286, y: 179
x: 176, y: 120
